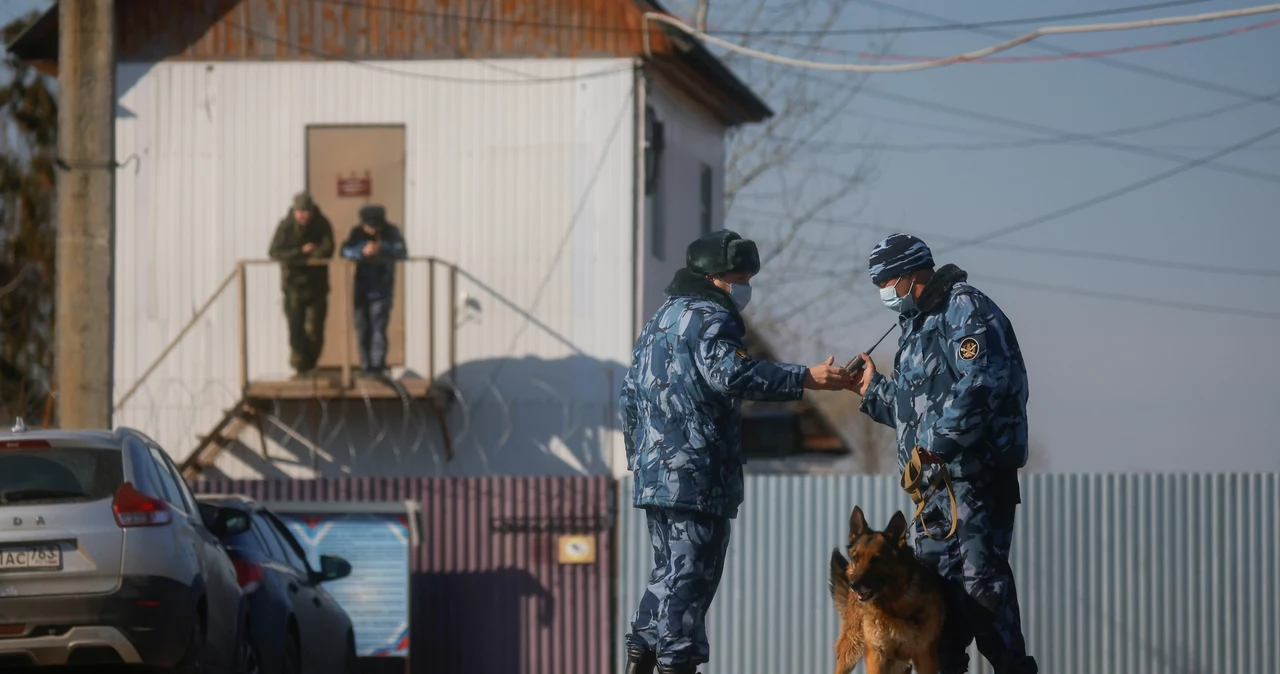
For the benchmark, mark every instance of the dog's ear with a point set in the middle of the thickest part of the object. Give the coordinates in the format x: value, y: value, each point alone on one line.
x: 897, y: 529
x: 857, y: 524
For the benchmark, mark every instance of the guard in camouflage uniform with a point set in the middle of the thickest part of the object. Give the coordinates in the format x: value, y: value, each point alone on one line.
x: 959, y: 392
x: 304, y: 234
x: 680, y: 405
x: 375, y: 245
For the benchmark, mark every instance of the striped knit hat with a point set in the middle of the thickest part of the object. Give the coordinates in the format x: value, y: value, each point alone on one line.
x: 897, y: 255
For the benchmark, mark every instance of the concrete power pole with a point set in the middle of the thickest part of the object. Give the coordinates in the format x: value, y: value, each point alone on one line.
x: 86, y: 212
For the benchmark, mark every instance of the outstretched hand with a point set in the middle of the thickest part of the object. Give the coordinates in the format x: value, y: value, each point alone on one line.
x: 828, y: 377
x: 862, y: 380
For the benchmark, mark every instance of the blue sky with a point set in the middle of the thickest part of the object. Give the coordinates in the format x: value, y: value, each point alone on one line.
x: 1115, y: 385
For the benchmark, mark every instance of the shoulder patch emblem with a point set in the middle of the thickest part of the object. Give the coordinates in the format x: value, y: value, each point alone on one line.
x: 968, y: 348
x: 742, y: 354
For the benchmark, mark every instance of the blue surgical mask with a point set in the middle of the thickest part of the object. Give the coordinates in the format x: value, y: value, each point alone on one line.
x: 740, y: 295
x: 902, y: 304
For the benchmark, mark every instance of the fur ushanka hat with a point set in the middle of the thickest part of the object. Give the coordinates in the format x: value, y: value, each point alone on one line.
x: 722, y: 252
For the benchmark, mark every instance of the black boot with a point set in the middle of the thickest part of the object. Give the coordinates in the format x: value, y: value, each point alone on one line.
x: 640, y: 662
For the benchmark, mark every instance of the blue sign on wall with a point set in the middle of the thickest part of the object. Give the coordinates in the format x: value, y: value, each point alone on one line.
x: 376, y: 594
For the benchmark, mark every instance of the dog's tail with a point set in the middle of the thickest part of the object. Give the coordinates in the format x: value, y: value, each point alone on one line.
x: 837, y: 582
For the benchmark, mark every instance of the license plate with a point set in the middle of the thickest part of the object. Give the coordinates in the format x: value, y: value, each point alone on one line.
x: 31, y: 558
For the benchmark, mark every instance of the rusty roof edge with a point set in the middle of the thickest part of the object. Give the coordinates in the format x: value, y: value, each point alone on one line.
x: 700, y: 57
x: 29, y: 38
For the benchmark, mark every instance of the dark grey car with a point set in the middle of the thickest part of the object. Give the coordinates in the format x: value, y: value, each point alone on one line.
x: 106, y: 557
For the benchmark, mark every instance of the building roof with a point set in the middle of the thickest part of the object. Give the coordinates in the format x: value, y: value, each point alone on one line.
x: 297, y: 30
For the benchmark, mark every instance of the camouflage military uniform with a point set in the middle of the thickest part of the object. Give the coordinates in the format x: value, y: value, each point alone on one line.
x: 306, y: 287
x: 681, y: 403
x: 959, y: 390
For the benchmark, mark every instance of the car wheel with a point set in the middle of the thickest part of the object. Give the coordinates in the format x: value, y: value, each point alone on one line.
x: 291, y: 663
x: 247, y: 661
x: 352, y: 663
x: 192, y: 661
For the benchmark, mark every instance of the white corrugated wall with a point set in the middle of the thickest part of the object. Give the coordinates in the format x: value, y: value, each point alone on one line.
x: 1146, y: 574
x: 527, y: 187
x: 692, y: 139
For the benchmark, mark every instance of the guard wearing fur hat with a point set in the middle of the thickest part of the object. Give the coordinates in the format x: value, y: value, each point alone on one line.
x: 681, y: 402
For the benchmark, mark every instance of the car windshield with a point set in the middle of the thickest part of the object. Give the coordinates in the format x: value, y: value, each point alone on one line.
x: 58, y: 474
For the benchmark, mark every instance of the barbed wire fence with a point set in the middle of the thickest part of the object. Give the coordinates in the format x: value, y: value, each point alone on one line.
x: 536, y: 427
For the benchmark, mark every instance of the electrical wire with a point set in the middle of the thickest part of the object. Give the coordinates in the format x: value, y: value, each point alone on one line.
x: 1104, y: 61
x: 627, y: 29
x: 1056, y: 214
x: 1039, y: 250
x: 1090, y: 139
x: 959, y: 58
x: 1062, y: 136
x: 1120, y: 297
x: 526, y: 79
x: 1075, y: 55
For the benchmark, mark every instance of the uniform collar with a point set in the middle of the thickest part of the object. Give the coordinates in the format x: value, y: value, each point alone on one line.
x: 688, y: 283
x: 936, y: 293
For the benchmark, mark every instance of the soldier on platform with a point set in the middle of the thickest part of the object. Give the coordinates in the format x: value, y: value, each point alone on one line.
x: 304, y: 235
x: 376, y: 245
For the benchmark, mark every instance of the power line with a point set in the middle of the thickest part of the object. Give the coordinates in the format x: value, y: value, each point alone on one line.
x: 1119, y: 192
x: 1062, y: 136
x: 959, y: 58
x: 527, y: 79
x: 1062, y: 212
x: 983, y: 147
x: 1120, y: 297
x: 625, y: 29
x: 1072, y: 56
x: 1091, y: 139
x: 1106, y: 61
x: 1048, y: 250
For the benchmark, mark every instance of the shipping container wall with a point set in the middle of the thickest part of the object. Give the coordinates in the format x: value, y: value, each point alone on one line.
x: 1115, y: 573
x: 520, y: 173
x: 488, y: 590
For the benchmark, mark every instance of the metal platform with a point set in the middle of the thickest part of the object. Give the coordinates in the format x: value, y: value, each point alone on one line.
x: 327, y: 385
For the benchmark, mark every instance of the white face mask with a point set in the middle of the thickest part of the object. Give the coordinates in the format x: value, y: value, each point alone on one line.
x: 740, y: 295
x: 902, y: 304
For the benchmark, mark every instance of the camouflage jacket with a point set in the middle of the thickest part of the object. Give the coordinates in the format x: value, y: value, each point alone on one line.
x: 375, y: 276
x: 286, y: 246
x: 681, y: 400
x: 959, y: 388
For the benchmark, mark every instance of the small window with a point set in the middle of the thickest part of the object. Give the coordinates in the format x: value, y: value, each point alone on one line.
x: 705, y: 216
x: 654, y: 215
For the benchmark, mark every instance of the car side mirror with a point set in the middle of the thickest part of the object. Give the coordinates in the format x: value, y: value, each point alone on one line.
x: 333, y: 567
x: 226, y: 521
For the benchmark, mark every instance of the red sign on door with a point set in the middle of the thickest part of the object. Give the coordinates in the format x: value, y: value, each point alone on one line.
x: 353, y: 186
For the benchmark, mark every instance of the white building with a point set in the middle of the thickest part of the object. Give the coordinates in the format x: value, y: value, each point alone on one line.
x: 550, y: 165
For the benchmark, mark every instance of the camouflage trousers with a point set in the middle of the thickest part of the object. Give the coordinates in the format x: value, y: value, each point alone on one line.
x: 305, y: 314
x: 983, y: 599
x: 688, y: 559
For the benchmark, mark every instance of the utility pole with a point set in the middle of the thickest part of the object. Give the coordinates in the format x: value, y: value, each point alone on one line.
x: 86, y: 212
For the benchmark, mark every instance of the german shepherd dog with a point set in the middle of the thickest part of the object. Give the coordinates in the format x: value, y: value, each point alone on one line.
x: 891, y: 605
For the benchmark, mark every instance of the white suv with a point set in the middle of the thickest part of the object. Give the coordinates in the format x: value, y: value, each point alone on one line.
x: 105, y: 558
